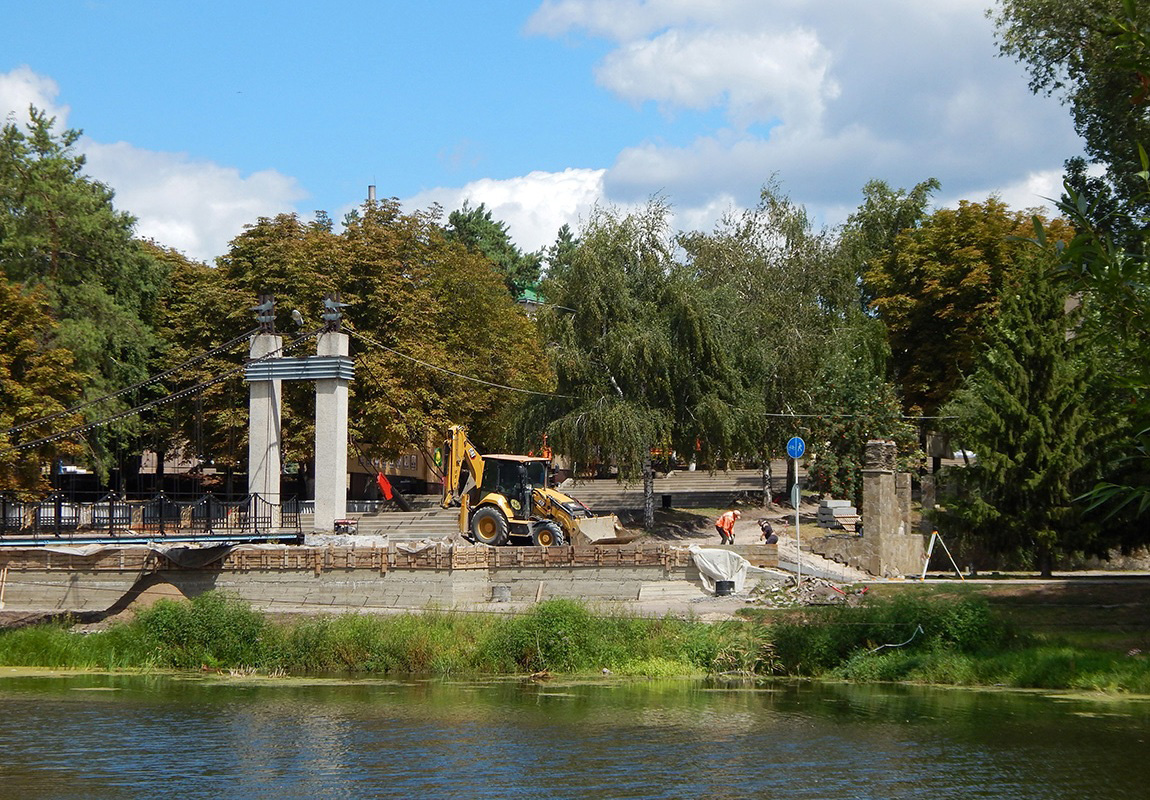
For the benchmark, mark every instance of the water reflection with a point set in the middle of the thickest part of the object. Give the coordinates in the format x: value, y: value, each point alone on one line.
x: 142, y: 736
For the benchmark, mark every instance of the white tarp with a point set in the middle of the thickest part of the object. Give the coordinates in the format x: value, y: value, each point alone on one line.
x: 719, y: 565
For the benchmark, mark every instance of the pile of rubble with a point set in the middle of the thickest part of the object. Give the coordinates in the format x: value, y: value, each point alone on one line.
x: 791, y: 593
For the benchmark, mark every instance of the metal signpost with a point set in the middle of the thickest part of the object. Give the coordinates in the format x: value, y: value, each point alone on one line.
x: 795, y: 449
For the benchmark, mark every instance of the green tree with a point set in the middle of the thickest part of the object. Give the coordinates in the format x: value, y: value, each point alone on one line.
x: 434, y: 332
x: 199, y: 313
x: 860, y: 405
x: 477, y: 229
x: 1106, y: 268
x: 939, y: 286
x: 1089, y: 52
x: 37, y: 380
x: 788, y: 298
x: 869, y: 235
x: 562, y: 250
x: 1099, y: 53
x: 61, y: 236
x: 639, y: 359
x: 1040, y: 430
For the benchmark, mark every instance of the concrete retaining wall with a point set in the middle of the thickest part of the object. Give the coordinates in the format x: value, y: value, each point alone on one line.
x: 347, y: 579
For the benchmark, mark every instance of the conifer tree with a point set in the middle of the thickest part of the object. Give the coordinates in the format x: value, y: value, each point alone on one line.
x: 61, y: 237
x: 1038, y: 430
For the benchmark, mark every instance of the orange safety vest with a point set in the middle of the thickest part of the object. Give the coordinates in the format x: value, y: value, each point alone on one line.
x: 727, y: 521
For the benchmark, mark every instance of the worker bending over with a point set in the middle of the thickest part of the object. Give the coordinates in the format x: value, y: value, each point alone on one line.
x: 726, y: 526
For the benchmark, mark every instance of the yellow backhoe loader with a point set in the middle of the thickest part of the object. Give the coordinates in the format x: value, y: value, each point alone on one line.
x: 507, y: 499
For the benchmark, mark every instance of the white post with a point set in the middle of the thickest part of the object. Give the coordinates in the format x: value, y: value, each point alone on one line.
x: 330, y: 438
x: 929, y: 550
x: 264, y: 408
x: 796, y: 499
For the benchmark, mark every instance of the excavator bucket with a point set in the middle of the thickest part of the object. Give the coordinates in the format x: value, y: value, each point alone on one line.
x: 603, y: 530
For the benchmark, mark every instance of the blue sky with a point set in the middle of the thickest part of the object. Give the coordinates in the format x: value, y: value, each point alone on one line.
x: 204, y: 116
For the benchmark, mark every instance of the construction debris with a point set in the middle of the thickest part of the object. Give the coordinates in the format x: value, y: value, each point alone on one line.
x: 790, y: 593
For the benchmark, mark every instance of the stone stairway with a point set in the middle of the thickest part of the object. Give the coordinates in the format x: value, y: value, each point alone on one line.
x: 677, y: 490
x: 682, y: 489
x: 432, y: 523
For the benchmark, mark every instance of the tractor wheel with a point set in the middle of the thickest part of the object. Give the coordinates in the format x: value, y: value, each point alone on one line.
x: 489, y: 526
x: 547, y: 534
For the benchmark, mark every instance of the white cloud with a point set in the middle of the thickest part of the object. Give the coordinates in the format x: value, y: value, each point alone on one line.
x: 534, y: 206
x: 899, y: 90
x: 193, y: 206
x: 22, y: 88
x: 758, y: 76
x: 1037, y: 190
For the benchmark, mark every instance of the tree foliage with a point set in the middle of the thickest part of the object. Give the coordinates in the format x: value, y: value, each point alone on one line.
x: 784, y: 296
x: 477, y: 229
x: 61, y: 236
x: 1041, y: 430
x: 638, y: 348
x: 861, y: 405
x: 434, y: 332
x: 1094, y: 54
x: 938, y: 287
x: 37, y: 380
x: 1105, y: 263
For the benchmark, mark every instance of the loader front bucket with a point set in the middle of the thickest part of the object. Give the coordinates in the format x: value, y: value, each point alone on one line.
x: 603, y: 530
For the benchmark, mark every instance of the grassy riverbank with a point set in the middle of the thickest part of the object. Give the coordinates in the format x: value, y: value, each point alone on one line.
x: 910, y: 636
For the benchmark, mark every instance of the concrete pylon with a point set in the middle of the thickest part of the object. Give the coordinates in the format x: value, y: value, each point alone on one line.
x: 330, y: 437
x: 264, y: 408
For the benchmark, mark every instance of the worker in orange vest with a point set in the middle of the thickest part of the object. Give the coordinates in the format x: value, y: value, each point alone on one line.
x: 726, y: 526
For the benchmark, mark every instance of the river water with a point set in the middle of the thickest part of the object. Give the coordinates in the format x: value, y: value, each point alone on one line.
x: 132, y: 736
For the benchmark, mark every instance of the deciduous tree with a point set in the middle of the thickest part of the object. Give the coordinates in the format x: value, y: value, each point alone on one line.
x: 1089, y: 52
x: 938, y: 288
x: 37, y: 380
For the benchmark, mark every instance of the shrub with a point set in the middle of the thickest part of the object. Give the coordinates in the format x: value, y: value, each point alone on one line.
x: 212, y: 630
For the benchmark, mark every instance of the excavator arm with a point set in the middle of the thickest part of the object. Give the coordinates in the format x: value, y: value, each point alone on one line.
x: 460, y: 453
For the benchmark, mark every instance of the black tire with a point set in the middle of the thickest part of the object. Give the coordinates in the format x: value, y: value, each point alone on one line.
x: 547, y: 534
x: 489, y: 526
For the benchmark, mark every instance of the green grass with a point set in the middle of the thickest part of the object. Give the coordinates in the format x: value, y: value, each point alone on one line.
x: 949, y: 638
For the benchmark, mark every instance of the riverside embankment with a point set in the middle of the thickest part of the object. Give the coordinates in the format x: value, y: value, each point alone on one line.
x: 401, y: 576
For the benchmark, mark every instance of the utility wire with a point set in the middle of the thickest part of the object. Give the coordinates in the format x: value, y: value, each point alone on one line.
x: 374, y: 343
x: 147, y: 381
x: 840, y: 416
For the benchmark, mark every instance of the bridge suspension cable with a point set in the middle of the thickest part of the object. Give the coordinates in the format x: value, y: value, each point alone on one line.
x: 146, y: 382
x: 199, y: 387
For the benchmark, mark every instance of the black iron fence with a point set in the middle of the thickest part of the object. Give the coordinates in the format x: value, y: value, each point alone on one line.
x: 111, y: 517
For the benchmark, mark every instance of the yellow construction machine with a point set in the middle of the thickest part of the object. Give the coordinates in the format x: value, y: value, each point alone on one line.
x: 506, y: 499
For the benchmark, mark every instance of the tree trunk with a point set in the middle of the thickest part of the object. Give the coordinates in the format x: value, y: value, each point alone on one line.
x: 158, y: 478
x: 768, y: 494
x: 648, y: 494
x: 1045, y: 562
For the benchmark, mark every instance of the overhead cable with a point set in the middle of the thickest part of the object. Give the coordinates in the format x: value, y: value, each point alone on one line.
x: 146, y: 382
x: 414, y: 360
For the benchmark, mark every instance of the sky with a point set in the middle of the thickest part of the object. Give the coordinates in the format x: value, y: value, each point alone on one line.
x: 204, y: 116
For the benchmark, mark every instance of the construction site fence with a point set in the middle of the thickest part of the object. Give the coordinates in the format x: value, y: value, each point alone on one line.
x: 380, y: 559
x: 55, y: 517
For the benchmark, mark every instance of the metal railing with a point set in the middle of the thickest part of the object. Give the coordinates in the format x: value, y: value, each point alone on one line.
x: 111, y: 518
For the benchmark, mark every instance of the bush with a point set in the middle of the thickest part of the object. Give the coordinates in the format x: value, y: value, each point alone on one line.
x: 212, y: 630
x: 827, y: 638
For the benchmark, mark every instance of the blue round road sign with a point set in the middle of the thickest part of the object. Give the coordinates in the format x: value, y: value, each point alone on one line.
x: 796, y: 447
